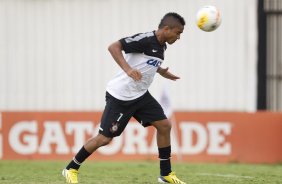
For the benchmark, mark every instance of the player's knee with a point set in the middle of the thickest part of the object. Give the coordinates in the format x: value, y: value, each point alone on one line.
x: 105, y: 141
x: 102, y: 140
x: 163, y: 126
x: 166, y: 127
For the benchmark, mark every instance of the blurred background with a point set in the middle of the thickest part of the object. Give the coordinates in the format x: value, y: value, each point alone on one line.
x: 53, y: 53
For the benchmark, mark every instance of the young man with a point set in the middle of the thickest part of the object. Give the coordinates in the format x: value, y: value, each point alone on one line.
x: 127, y: 94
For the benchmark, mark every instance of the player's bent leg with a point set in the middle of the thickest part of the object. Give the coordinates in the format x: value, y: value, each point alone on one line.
x: 71, y: 171
x: 96, y: 142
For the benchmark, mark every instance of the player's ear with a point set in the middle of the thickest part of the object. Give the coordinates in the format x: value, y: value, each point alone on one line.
x: 166, y: 28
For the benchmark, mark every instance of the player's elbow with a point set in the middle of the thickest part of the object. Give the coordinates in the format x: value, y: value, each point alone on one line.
x: 110, y: 48
x: 115, y: 46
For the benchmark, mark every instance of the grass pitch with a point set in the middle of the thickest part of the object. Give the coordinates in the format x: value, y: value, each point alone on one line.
x: 37, y: 172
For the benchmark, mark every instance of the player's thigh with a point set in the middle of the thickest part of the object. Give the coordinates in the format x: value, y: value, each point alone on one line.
x: 149, y: 111
x: 114, y: 118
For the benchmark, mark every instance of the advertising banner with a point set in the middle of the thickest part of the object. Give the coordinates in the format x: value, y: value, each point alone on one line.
x: 195, y: 137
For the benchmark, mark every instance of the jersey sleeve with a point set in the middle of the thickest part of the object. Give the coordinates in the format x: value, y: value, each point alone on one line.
x: 134, y: 44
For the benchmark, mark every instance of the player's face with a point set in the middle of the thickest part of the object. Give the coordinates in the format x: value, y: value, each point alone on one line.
x: 173, y: 34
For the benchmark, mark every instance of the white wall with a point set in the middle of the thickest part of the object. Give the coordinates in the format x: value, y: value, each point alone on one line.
x: 53, y: 53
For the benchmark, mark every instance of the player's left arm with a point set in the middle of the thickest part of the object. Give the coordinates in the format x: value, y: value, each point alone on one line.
x: 166, y: 74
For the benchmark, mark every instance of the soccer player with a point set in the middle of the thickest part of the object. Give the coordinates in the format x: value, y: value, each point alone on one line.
x: 127, y: 94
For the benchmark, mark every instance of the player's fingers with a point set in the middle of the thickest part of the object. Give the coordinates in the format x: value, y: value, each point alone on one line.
x: 174, y: 77
x: 133, y: 76
x: 138, y: 75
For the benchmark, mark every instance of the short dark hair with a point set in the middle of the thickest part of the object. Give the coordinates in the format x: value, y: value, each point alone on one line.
x: 166, y: 20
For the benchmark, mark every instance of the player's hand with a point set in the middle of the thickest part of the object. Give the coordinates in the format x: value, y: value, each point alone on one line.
x: 134, y: 74
x: 166, y: 74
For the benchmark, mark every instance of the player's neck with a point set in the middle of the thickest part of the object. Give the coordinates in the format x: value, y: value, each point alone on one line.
x: 160, y: 37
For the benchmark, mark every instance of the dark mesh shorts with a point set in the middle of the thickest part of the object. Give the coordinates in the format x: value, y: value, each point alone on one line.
x: 117, y: 113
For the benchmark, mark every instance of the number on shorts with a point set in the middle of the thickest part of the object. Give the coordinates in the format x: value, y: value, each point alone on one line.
x: 120, y: 115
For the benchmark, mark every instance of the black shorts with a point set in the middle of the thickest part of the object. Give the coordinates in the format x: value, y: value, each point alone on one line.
x: 117, y: 113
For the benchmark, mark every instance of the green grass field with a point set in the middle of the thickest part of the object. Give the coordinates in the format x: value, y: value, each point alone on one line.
x: 31, y: 172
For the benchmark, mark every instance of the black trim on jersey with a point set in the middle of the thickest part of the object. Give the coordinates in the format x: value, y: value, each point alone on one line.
x: 146, y: 43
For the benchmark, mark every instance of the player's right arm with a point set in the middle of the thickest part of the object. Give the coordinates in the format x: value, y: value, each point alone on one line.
x: 116, y: 51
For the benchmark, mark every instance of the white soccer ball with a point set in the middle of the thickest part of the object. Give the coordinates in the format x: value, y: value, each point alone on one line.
x: 208, y: 18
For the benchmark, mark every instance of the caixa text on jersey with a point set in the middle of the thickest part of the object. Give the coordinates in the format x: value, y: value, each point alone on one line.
x: 154, y: 62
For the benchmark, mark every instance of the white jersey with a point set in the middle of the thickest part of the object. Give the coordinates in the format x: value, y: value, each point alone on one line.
x: 144, y: 53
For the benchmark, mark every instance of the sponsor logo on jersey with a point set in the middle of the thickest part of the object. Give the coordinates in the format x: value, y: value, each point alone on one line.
x: 154, y: 62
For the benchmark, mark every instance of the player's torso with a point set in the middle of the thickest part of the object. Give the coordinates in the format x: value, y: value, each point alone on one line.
x: 146, y: 57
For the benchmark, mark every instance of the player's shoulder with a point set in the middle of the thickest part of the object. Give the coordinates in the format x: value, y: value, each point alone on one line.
x: 145, y: 36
